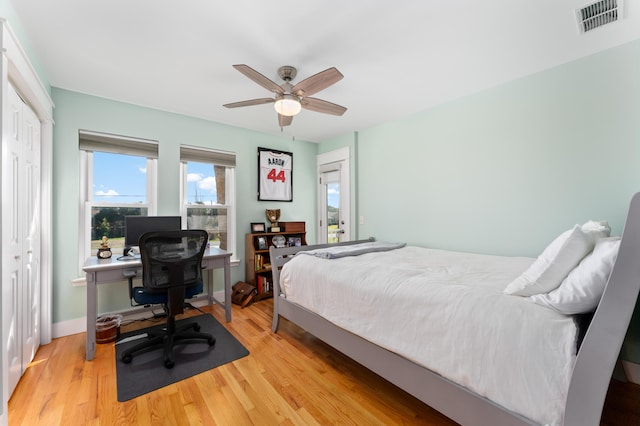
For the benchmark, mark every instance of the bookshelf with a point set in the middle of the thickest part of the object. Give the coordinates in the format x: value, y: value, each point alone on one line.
x: 257, y: 261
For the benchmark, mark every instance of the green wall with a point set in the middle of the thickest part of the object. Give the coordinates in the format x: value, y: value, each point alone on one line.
x: 506, y: 170
x: 75, y: 111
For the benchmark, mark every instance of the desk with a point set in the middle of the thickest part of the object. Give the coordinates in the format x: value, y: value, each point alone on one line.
x: 104, y: 271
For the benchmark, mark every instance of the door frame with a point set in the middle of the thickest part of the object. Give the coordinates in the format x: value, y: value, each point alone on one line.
x: 343, y: 157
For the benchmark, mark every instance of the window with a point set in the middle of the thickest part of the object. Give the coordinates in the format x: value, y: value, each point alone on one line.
x: 208, y: 194
x: 118, y: 178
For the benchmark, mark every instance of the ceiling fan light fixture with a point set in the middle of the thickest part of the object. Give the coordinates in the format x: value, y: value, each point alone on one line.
x: 288, y: 98
x: 287, y: 105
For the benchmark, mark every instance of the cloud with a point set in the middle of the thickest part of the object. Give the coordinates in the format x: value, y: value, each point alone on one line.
x: 109, y: 193
x: 208, y: 184
x: 194, y: 177
x: 332, y: 191
x: 142, y: 170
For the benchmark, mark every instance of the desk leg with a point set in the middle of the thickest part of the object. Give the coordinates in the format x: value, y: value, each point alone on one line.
x: 91, y: 315
x: 227, y: 288
x: 210, y: 299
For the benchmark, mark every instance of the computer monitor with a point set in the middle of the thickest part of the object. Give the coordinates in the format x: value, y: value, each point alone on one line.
x: 135, y: 226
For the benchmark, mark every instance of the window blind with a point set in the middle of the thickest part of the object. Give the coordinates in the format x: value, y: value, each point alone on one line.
x: 204, y: 155
x: 104, y: 142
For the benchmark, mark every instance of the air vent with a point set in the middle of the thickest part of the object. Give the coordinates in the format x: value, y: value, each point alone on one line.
x: 598, y: 14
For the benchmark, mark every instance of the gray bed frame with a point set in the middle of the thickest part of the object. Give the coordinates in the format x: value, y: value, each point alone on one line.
x: 595, y: 361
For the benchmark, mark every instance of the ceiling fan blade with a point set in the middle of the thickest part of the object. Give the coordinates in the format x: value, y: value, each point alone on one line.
x: 250, y: 102
x: 259, y: 78
x: 284, y: 120
x: 318, y: 105
x: 317, y: 82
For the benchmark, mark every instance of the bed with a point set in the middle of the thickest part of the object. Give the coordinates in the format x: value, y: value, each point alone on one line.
x: 482, y: 339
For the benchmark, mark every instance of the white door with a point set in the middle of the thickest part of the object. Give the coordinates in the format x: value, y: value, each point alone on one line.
x: 333, y: 197
x: 21, y: 231
x: 31, y: 231
x: 12, y: 233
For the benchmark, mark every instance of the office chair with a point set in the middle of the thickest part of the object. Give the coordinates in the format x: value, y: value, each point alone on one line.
x: 171, y: 273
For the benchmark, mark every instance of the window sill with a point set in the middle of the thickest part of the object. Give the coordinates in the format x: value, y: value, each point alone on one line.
x: 79, y: 282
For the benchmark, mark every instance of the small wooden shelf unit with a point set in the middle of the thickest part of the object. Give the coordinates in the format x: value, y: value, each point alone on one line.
x: 257, y: 262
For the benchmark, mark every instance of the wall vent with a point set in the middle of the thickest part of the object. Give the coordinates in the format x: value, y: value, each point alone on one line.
x: 598, y: 14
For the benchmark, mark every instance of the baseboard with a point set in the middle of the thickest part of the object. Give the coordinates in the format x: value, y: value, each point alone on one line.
x: 69, y: 327
x: 632, y: 371
x: 79, y: 325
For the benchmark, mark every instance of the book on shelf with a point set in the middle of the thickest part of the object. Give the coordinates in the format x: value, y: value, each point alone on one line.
x: 263, y: 284
x: 259, y: 261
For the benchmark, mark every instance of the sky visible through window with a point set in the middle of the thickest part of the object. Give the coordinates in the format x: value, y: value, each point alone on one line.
x: 119, y: 178
x: 333, y: 195
x: 201, y: 183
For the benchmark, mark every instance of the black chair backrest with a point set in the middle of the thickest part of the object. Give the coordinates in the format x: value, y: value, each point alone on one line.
x: 172, y: 258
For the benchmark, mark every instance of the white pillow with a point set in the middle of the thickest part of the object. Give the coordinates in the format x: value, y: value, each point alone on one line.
x: 597, y: 229
x: 554, y: 264
x: 581, y: 291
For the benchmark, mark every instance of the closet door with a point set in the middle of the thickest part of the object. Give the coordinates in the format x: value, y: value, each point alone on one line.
x: 31, y: 231
x: 21, y: 185
x: 13, y: 226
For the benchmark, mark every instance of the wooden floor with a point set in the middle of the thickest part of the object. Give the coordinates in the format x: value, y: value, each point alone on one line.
x: 290, y: 378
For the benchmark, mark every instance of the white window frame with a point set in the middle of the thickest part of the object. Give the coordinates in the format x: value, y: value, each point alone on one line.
x: 230, y: 192
x: 86, y: 195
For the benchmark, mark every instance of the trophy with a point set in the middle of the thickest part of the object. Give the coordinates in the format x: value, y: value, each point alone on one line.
x: 104, y: 252
x: 273, y: 216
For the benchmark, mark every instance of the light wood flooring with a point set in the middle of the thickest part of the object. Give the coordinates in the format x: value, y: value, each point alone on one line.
x: 290, y: 378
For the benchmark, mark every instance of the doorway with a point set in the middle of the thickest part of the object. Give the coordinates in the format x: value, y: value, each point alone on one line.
x: 334, y: 197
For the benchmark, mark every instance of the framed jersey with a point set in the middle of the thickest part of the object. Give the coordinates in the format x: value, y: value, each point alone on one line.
x: 275, y: 174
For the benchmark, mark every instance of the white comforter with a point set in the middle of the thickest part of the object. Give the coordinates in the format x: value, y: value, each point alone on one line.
x: 446, y: 310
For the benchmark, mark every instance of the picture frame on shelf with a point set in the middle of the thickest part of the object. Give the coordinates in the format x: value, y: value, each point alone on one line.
x: 294, y: 241
x: 257, y: 227
x: 262, y: 243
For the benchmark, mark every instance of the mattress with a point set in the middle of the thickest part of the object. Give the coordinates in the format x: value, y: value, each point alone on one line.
x: 445, y: 310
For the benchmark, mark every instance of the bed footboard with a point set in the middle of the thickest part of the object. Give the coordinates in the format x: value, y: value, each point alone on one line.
x: 280, y: 256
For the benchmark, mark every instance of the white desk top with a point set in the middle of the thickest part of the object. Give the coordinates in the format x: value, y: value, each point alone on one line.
x: 93, y: 264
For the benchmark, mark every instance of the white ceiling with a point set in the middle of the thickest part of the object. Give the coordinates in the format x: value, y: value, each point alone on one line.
x: 398, y: 57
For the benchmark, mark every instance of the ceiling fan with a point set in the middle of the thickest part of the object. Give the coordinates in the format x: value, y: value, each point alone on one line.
x: 290, y: 99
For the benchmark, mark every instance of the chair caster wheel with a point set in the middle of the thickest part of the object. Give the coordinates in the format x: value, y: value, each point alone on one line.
x: 169, y: 364
x: 126, y: 358
x: 211, y: 341
x: 196, y: 327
